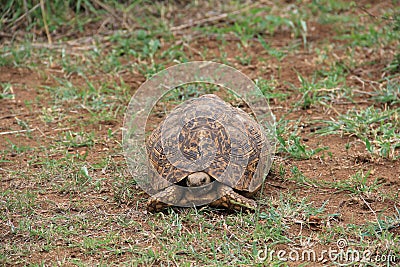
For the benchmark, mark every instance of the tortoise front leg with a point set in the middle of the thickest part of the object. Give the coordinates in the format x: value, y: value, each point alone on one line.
x: 234, y: 201
x: 170, y: 194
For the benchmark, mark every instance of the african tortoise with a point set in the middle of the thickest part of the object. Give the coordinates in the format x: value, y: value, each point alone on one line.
x: 208, y: 125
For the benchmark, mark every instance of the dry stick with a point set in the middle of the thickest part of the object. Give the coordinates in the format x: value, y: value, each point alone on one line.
x: 363, y: 82
x: 210, y: 19
x: 20, y: 131
x: 366, y: 11
x: 8, y: 35
x: 107, y: 8
x: 372, y: 15
x: 376, y: 216
x: 25, y: 14
x: 18, y: 114
x: 68, y: 49
x: 46, y: 27
x: 202, y: 21
x: 63, y: 46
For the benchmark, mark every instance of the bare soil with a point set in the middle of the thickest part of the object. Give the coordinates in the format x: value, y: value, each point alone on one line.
x: 339, y: 164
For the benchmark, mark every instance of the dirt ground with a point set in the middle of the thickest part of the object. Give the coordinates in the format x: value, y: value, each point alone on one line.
x: 27, y: 162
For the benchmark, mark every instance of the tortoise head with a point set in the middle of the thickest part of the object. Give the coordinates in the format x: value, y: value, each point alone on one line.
x: 198, y: 179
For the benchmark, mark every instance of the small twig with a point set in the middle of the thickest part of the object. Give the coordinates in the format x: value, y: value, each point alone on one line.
x: 40, y: 131
x: 332, y: 108
x: 86, y: 108
x: 275, y: 185
x: 193, y: 49
x: 18, y: 114
x: 20, y: 131
x: 366, y: 11
x: 376, y: 216
x: 62, y: 129
x: 108, y: 9
x: 64, y: 46
x: 372, y: 15
x: 363, y: 92
x: 202, y: 21
x: 25, y: 14
x: 329, y: 89
x: 8, y: 35
x: 364, y: 81
x: 210, y: 19
x: 57, y: 47
x: 46, y: 27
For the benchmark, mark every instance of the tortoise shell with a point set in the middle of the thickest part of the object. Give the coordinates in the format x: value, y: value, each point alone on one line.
x: 209, y: 135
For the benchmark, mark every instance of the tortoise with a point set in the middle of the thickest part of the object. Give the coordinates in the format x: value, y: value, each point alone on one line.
x: 229, y: 146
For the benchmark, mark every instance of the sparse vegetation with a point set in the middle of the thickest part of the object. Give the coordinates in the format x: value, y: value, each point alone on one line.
x: 329, y: 69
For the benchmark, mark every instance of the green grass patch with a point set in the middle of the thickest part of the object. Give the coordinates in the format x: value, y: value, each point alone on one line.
x: 377, y: 129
